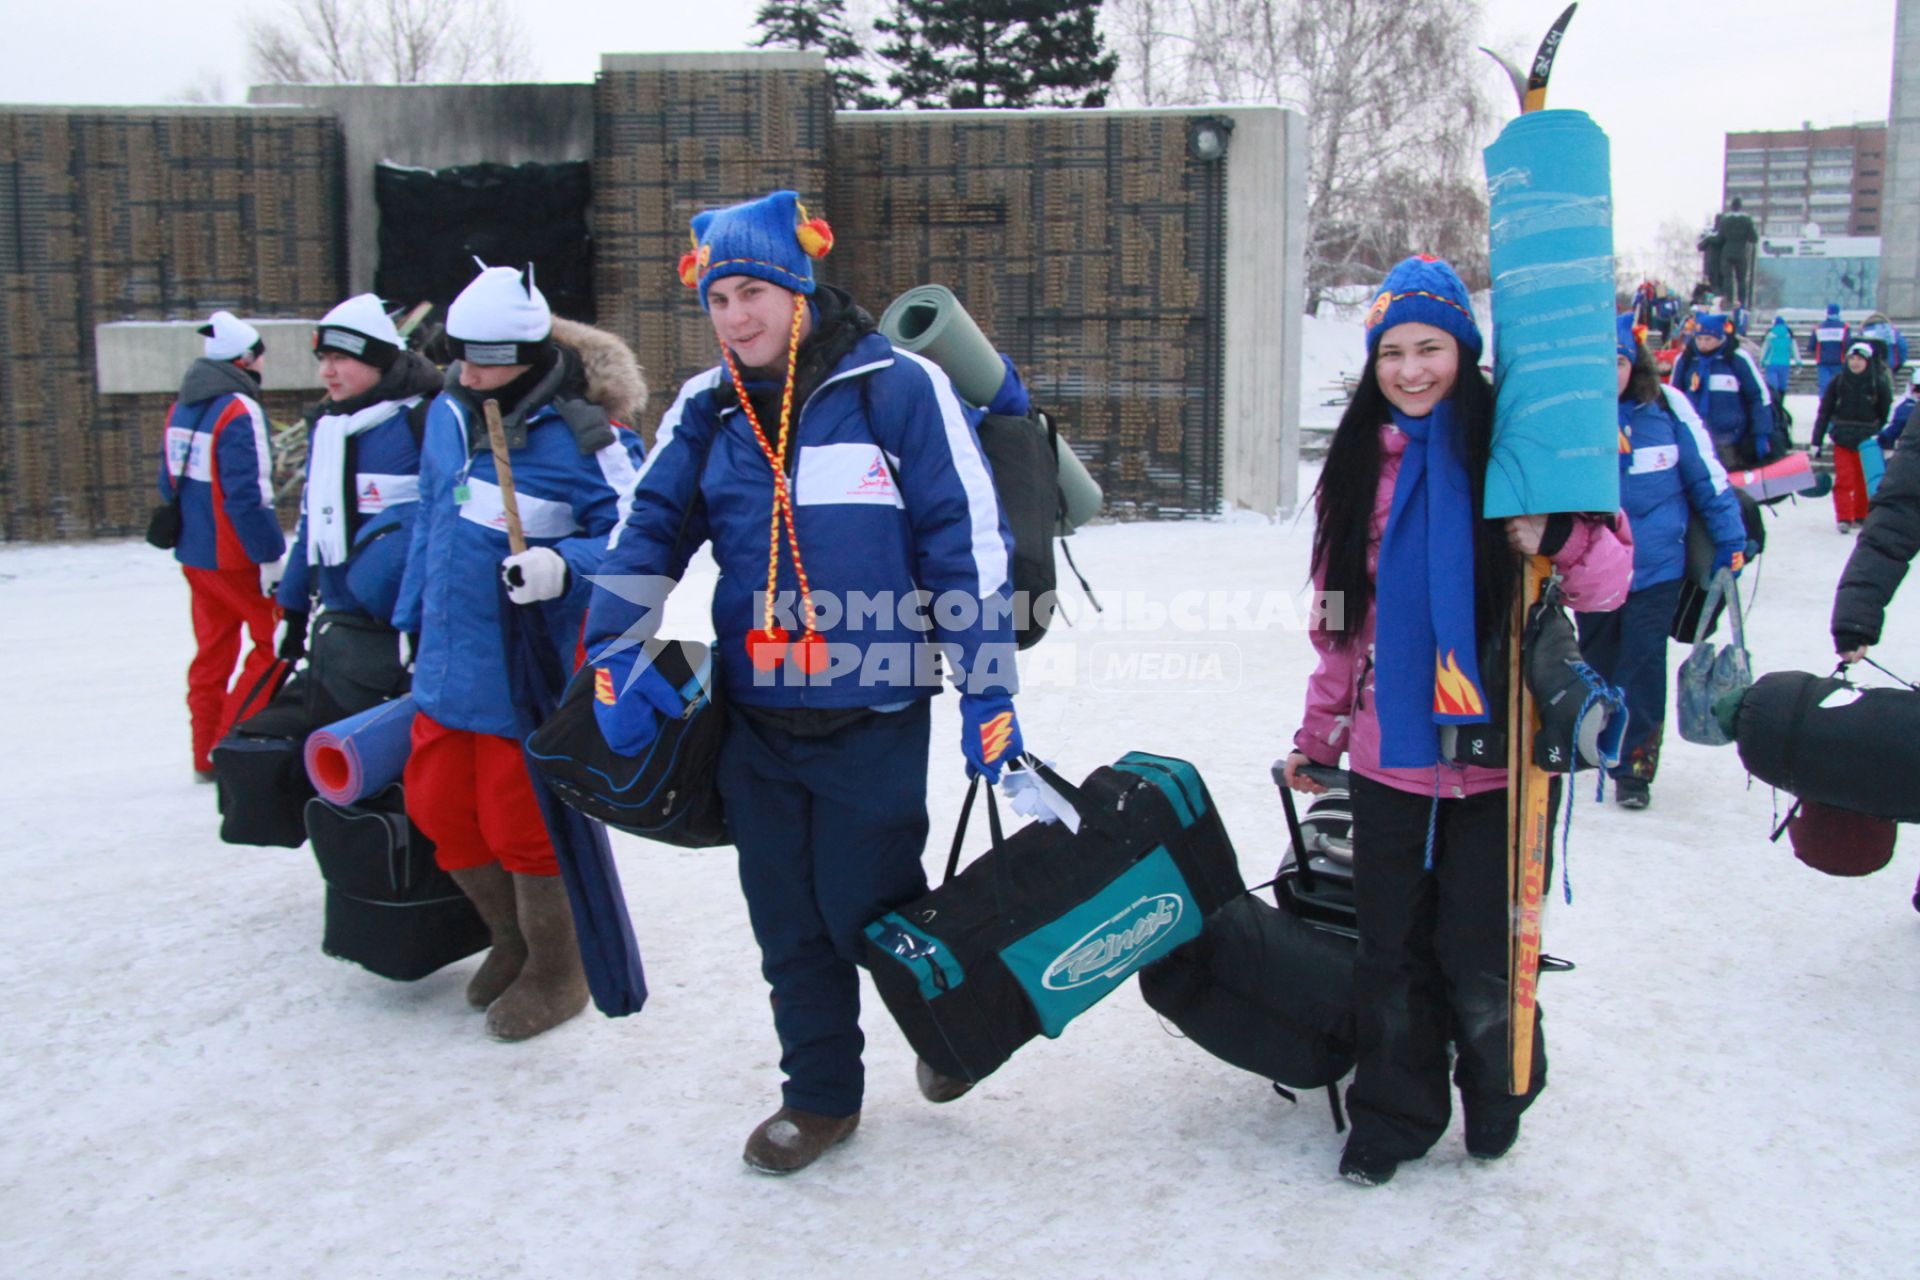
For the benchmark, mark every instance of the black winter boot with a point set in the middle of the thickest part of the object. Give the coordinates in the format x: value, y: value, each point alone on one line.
x: 1491, y: 1139
x: 552, y: 986
x: 1366, y: 1168
x: 490, y: 889
x: 1632, y: 793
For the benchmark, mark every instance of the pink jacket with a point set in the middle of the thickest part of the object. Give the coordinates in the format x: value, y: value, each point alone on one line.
x: 1597, y: 567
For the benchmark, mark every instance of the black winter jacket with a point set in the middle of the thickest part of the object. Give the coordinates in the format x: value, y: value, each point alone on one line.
x: 1855, y: 406
x: 1880, y: 558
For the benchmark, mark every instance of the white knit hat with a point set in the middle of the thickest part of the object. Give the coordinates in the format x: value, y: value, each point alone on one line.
x: 361, y: 328
x: 500, y: 318
x: 228, y: 337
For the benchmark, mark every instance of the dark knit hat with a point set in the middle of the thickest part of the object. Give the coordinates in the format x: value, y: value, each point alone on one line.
x: 1424, y: 290
x: 771, y: 238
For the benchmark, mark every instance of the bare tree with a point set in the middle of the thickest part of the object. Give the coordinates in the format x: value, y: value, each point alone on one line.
x: 1395, y: 114
x: 387, y: 42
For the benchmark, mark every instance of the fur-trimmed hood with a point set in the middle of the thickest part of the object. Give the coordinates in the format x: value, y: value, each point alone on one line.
x: 615, y: 381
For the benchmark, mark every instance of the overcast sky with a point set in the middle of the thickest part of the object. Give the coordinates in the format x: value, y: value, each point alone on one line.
x: 1665, y: 78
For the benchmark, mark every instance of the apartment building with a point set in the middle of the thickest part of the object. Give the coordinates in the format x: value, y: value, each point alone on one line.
x: 1832, y: 178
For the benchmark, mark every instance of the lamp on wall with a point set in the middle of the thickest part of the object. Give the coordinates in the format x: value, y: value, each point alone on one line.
x: 1207, y: 138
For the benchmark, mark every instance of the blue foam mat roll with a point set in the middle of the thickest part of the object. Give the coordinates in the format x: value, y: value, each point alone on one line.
x: 1550, y: 236
x: 353, y: 758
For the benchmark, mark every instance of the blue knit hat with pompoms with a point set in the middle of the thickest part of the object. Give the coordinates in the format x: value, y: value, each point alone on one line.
x: 772, y: 238
x: 1424, y: 290
x: 1628, y: 337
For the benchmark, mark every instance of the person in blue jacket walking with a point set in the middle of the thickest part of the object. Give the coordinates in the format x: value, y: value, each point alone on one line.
x: 1827, y: 345
x: 1779, y: 354
x: 837, y: 478
x: 1891, y: 435
x: 1726, y: 390
x: 467, y: 784
x: 357, y: 508
x: 1668, y: 473
x: 216, y: 469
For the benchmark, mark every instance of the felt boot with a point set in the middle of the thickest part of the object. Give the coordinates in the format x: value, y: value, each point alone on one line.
x: 552, y: 986
x: 935, y: 1087
x: 490, y: 889
x: 790, y: 1140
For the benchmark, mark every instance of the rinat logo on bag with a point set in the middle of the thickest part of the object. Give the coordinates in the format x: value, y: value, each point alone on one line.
x: 1116, y: 945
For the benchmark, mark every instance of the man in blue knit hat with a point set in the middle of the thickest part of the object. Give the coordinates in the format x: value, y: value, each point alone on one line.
x: 1726, y: 389
x: 837, y: 478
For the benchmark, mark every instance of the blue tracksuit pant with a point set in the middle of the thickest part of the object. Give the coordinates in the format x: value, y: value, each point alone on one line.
x: 1628, y: 647
x: 1778, y: 376
x: 830, y: 832
x: 1827, y: 372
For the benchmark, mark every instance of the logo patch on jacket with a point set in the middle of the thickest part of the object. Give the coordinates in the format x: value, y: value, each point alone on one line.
x: 845, y: 475
x: 603, y: 686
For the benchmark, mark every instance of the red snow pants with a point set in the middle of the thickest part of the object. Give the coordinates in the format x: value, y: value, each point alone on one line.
x: 1849, y: 485
x: 224, y: 601
x: 471, y: 795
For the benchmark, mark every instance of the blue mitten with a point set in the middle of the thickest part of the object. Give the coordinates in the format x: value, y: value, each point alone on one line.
x: 989, y: 733
x: 1763, y: 447
x: 1730, y: 558
x: 628, y: 705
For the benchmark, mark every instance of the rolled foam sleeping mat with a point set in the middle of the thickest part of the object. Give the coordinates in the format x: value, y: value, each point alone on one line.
x: 353, y: 758
x: 1834, y: 743
x: 1550, y: 238
x: 929, y: 321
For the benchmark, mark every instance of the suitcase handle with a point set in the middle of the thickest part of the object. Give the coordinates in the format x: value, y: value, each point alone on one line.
x: 1327, y: 776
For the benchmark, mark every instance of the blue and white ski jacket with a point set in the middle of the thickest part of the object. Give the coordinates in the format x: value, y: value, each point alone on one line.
x: 569, y: 499
x: 1891, y: 433
x: 1727, y: 391
x: 892, y: 497
x: 1668, y: 471
x: 1827, y: 341
x: 362, y: 490
x: 216, y: 453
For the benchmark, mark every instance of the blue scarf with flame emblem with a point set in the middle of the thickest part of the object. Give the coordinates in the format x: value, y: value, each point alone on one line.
x: 1426, y: 664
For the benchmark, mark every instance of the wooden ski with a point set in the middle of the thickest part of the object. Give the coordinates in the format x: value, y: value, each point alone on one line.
x: 1529, y: 828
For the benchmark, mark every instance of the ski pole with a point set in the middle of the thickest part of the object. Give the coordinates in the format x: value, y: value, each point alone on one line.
x: 503, y: 469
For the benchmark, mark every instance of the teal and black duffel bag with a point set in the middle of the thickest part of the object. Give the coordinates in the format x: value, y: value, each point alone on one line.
x: 1049, y: 921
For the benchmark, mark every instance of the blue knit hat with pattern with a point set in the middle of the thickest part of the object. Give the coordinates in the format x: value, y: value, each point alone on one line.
x: 1424, y: 290
x: 1626, y: 336
x: 772, y: 239
x: 1714, y: 324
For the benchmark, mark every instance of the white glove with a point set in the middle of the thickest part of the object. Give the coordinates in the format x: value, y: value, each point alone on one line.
x: 1031, y: 797
x: 270, y: 574
x: 538, y: 573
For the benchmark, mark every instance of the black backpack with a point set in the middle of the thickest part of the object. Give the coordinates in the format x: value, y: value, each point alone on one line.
x: 1023, y: 456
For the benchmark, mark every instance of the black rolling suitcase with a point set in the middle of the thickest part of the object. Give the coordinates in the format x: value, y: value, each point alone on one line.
x: 1049, y: 921
x: 389, y: 908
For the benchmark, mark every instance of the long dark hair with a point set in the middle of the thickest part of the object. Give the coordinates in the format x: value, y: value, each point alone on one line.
x: 1343, y: 502
x: 1643, y: 384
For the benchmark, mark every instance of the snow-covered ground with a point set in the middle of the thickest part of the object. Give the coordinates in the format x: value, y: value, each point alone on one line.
x: 195, y: 1090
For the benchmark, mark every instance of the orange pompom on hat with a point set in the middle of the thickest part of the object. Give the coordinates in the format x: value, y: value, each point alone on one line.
x: 772, y: 238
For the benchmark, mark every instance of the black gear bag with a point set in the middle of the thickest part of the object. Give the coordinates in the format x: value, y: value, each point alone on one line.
x: 1049, y: 921
x: 1269, y: 989
x: 665, y: 793
x: 257, y: 768
x: 389, y: 909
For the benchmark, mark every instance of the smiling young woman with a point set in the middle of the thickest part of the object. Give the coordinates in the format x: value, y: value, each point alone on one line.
x: 1426, y: 584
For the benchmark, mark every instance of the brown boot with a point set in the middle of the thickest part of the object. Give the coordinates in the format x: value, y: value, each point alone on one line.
x: 934, y: 1086
x: 552, y: 986
x: 789, y: 1140
x: 490, y: 889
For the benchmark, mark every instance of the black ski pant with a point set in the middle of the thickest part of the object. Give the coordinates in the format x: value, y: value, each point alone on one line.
x: 1432, y: 968
x: 1628, y: 647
